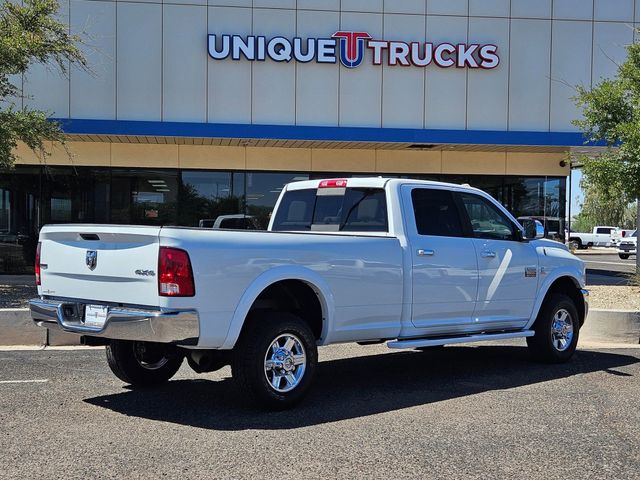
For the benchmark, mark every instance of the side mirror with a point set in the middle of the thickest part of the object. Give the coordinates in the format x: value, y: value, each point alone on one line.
x: 533, y: 229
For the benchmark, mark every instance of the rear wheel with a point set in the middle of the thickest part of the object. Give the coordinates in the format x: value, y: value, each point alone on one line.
x: 274, y: 361
x: 623, y: 256
x: 556, y: 330
x: 142, y: 363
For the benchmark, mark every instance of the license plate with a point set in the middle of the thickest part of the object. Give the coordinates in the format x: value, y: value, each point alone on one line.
x: 95, y: 316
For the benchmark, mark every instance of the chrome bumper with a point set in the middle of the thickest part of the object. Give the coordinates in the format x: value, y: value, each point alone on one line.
x: 122, y: 323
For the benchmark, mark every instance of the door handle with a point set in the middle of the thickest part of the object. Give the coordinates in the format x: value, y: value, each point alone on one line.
x: 488, y: 254
x: 426, y: 253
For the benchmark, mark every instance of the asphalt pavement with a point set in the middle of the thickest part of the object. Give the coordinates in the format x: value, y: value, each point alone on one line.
x: 462, y: 412
x: 607, y: 268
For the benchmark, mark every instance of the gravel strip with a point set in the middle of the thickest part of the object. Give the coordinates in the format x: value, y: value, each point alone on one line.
x: 16, y: 296
x: 614, y: 297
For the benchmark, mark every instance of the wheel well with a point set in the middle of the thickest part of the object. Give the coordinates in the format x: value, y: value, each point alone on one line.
x: 293, y: 296
x: 568, y: 286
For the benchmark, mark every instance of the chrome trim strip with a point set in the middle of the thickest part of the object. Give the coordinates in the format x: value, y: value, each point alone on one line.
x: 434, y: 341
x: 122, y: 323
x: 585, y: 297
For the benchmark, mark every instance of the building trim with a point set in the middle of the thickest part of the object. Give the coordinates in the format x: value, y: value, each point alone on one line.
x: 316, y: 133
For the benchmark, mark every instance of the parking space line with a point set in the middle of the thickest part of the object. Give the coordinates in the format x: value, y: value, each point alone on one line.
x: 612, y: 263
x: 45, y: 380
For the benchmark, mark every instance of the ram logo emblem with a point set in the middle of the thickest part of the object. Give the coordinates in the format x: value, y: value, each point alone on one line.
x: 91, y: 259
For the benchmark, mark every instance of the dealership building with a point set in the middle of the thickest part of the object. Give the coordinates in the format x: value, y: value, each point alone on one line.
x: 192, y: 110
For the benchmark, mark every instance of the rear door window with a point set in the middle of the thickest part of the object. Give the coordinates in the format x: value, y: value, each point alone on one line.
x: 333, y: 210
x: 436, y: 213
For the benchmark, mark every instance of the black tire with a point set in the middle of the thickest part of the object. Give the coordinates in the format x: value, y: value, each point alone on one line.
x: 142, y: 363
x: 543, y: 345
x: 577, y: 242
x: 248, y: 363
x: 624, y: 256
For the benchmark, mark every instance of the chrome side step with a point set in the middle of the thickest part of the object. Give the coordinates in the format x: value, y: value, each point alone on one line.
x: 434, y: 341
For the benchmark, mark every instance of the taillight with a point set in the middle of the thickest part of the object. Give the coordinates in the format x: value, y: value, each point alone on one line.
x: 175, y: 276
x: 37, y: 265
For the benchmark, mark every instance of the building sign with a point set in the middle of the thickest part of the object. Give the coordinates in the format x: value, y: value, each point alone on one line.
x: 351, y: 48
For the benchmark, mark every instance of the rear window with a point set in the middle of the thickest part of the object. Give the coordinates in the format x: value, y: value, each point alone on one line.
x: 333, y: 210
x: 606, y: 231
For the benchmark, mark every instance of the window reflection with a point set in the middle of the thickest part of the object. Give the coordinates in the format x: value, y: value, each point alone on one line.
x: 34, y: 196
x: 205, y: 196
x: 263, y: 190
x: 144, y: 197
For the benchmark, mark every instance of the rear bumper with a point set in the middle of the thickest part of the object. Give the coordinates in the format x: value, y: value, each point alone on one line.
x: 122, y: 323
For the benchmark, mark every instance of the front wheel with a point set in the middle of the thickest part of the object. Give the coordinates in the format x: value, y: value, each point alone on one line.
x: 142, y: 363
x: 623, y: 256
x: 275, y: 359
x: 556, y: 330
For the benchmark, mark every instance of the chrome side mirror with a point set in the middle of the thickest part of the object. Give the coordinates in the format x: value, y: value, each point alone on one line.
x: 533, y: 229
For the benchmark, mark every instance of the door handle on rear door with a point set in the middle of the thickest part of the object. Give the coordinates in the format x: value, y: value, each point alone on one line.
x: 426, y: 253
x: 488, y: 254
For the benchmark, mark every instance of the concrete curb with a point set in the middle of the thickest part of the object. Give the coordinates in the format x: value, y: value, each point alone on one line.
x: 600, y: 251
x: 17, y: 328
x: 612, y: 326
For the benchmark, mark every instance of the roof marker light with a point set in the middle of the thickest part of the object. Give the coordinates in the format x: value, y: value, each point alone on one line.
x: 333, y: 184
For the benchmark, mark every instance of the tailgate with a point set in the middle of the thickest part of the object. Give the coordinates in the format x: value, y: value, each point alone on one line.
x: 103, y: 263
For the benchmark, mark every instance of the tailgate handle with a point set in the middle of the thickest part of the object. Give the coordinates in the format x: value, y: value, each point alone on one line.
x: 89, y: 236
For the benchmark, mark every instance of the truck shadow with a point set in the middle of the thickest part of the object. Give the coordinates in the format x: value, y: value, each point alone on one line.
x: 357, y: 387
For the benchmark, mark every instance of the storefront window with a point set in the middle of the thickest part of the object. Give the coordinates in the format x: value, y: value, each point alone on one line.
x: 19, y: 190
x: 263, y: 190
x: 31, y: 197
x: 74, y: 195
x: 205, y: 196
x: 144, y: 197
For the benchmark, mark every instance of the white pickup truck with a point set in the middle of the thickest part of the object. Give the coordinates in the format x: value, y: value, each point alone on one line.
x: 413, y: 263
x: 600, y: 237
x: 628, y: 246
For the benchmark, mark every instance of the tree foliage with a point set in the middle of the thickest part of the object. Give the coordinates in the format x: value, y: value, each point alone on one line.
x: 30, y: 34
x: 611, y: 112
x: 603, y: 205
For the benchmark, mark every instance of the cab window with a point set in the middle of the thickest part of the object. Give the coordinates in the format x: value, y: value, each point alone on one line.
x: 486, y: 220
x: 335, y: 210
x: 436, y: 213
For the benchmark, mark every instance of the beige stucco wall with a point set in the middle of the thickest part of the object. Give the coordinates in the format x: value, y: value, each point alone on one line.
x: 298, y: 159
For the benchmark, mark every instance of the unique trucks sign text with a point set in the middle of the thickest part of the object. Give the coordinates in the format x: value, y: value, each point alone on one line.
x: 351, y: 48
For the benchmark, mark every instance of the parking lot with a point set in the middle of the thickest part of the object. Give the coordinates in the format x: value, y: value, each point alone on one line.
x: 474, y: 412
x: 607, y: 268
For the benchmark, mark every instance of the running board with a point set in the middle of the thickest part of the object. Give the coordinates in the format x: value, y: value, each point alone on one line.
x: 433, y: 341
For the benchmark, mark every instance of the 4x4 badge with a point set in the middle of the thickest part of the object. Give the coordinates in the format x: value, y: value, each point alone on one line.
x: 91, y: 259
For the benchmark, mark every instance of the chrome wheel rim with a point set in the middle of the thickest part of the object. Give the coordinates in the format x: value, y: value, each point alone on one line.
x: 148, y: 357
x: 562, y: 330
x: 285, y: 363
